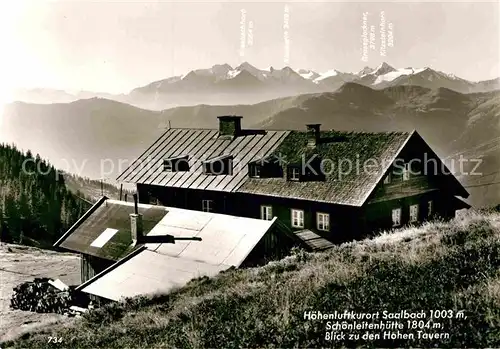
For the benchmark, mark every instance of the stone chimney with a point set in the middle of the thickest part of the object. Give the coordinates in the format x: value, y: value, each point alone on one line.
x: 136, y: 224
x: 313, y: 135
x: 229, y: 125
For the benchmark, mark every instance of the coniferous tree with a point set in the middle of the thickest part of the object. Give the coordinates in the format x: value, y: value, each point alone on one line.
x: 34, y: 201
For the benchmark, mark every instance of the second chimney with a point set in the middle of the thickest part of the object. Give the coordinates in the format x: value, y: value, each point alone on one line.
x: 313, y: 135
x: 229, y: 125
x: 136, y: 224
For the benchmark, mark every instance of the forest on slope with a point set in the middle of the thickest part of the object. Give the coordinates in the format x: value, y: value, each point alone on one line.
x: 35, y: 205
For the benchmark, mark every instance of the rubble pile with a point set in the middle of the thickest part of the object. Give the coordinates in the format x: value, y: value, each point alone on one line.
x: 41, y: 296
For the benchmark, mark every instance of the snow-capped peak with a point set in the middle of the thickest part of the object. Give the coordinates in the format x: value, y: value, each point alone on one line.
x: 286, y: 74
x: 364, y: 71
x: 220, y: 69
x: 308, y: 74
x: 327, y: 74
x: 382, y: 69
x: 396, y: 73
x: 453, y: 76
x: 259, y: 74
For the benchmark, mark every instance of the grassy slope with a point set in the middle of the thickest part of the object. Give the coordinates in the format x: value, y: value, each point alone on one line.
x: 91, y: 189
x: 440, y: 265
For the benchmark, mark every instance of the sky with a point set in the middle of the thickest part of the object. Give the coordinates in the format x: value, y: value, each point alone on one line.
x: 115, y: 46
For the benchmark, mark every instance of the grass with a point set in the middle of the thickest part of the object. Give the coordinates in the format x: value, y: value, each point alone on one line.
x: 441, y: 265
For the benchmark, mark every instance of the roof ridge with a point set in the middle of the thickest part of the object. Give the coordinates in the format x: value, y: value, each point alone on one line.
x: 288, y: 130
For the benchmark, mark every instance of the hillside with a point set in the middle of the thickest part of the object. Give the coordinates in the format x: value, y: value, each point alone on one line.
x: 86, y: 137
x: 98, y: 138
x: 449, y: 266
x: 35, y: 205
x: 92, y: 190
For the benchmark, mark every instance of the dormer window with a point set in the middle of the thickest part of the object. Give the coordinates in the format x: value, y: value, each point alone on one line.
x: 265, y: 168
x: 176, y: 164
x: 311, y: 172
x: 254, y: 170
x: 220, y: 165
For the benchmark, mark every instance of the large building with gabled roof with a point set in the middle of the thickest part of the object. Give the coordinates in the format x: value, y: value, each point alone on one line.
x: 332, y: 184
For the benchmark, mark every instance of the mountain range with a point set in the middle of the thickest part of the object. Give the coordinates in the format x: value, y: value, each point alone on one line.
x: 105, y: 135
x: 245, y: 84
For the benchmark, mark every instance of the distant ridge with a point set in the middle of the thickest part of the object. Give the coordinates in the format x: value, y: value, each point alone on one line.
x: 246, y: 84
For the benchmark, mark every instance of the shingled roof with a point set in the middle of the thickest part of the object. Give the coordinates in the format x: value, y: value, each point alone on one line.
x: 337, y: 149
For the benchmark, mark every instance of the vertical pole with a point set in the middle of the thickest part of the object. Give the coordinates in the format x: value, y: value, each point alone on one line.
x: 121, y: 191
x: 136, y: 210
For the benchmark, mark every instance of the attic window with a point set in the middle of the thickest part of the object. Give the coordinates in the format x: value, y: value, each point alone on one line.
x: 220, y: 165
x: 254, y: 170
x: 265, y: 168
x: 312, y: 172
x: 176, y: 164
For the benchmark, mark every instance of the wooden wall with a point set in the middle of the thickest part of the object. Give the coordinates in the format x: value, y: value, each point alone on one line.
x: 379, y: 215
x: 274, y: 245
x: 398, y: 193
x: 91, y: 266
x: 343, y: 219
x: 346, y: 222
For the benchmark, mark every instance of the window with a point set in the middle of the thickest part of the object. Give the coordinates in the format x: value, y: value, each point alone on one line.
x: 176, y: 164
x: 430, y: 208
x: 220, y: 165
x: 406, y: 172
x: 294, y: 174
x: 413, y: 213
x: 207, y: 205
x: 387, y: 178
x: 297, y: 218
x: 396, y: 217
x: 255, y: 171
x: 266, y: 213
x: 167, y: 165
x: 323, y: 221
